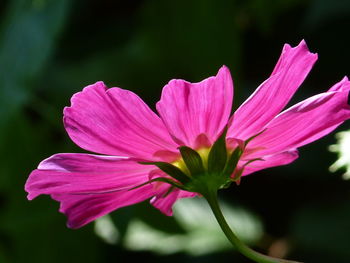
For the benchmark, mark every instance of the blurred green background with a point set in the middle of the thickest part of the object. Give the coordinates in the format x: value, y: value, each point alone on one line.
x: 50, y: 49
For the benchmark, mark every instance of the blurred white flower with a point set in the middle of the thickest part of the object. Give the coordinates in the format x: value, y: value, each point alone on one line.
x: 105, y: 229
x: 343, y: 149
x: 202, y: 233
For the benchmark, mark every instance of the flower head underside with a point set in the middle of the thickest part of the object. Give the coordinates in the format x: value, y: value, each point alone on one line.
x: 191, y: 146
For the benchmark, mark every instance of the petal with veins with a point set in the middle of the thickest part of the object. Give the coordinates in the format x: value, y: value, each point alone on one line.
x: 273, y: 94
x: 306, y: 121
x: 115, y: 122
x: 85, y: 173
x: 190, y: 109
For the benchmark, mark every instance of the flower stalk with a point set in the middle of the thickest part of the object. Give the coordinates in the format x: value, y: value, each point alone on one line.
x: 211, y: 197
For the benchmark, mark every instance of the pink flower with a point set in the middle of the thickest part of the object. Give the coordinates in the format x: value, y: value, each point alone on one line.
x: 118, y: 124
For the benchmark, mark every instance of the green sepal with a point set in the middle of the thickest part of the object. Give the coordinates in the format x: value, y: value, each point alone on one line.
x: 159, y: 179
x: 253, y: 160
x: 171, y: 170
x: 227, y: 184
x: 232, y: 161
x: 251, y: 138
x: 192, y: 160
x: 169, y: 191
x: 218, y: 155
x: 237, y: 176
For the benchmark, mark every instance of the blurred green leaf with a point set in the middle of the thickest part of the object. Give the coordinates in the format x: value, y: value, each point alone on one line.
x: 29, y: 35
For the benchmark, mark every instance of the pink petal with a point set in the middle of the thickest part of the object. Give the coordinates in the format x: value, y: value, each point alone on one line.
x: 115, y: 122
x: 274, y: 93
x: 164, y: 202
x: 84, y: 173
x: 82, y: 209
x: 190, y: 109
x: 306, y: 121
x: 271, y: 161
x: 342, y: 85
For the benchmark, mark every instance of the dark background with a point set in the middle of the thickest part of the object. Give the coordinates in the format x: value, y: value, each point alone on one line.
x: 50, y: 49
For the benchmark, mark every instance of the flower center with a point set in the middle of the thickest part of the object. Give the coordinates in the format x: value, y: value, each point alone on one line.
x: 206, y: 169
x: 203, y: 153
x: 202, y: 170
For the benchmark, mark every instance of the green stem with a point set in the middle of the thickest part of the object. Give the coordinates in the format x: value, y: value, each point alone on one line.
x: 238, y: 244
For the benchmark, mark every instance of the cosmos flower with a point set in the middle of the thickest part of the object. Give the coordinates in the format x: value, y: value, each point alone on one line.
x: 193, y: 144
